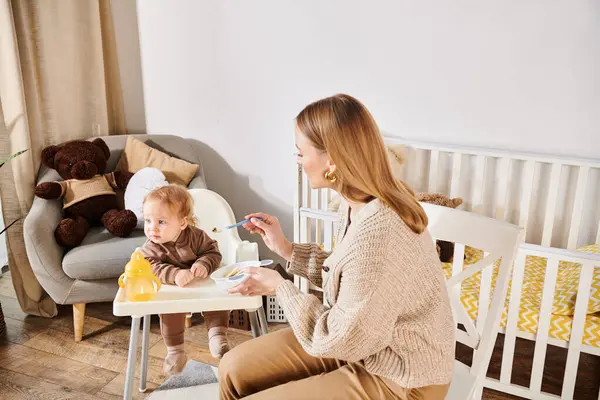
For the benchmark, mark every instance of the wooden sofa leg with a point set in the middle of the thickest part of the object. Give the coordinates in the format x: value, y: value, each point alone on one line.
x: 78, y: 316
x: 188, y: 321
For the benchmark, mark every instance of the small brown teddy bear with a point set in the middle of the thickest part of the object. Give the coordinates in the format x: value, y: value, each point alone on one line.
x: 445, y: 249
x: 88, y: 194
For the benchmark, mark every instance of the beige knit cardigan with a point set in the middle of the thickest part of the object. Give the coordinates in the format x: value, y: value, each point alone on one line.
x: 386, y: 300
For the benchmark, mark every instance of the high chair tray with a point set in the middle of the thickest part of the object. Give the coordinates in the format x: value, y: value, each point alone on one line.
x: 197, y: 297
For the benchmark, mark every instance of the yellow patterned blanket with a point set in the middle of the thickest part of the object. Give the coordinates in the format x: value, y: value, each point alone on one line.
x: 531, y: 296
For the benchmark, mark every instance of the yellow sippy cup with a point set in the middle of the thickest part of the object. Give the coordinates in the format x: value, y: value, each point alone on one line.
x: 138, y: 279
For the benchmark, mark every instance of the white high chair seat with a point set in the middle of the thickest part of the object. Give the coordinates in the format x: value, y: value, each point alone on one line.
x: 212, y: 211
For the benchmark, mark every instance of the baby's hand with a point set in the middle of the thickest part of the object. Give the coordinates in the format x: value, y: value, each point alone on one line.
x: 199, y: 270
x: 184, y: 277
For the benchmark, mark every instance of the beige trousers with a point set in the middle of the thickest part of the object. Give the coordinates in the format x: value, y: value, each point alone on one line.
x: 275, y: 367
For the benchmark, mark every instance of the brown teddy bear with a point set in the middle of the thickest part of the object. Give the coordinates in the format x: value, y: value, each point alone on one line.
x: 88, y: 193
x: 445, y: 249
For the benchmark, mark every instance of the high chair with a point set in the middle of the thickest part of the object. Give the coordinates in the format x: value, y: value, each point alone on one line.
x: 213, y: 213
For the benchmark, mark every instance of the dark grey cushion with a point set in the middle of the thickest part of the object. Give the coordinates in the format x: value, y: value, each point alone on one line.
x: 101, y: 255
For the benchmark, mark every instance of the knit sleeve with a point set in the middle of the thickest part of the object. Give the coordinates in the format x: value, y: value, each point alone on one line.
x: 362, y: 320
x: 307, y: 262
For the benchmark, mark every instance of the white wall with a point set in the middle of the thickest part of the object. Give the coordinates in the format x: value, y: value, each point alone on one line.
x: 233, y: 75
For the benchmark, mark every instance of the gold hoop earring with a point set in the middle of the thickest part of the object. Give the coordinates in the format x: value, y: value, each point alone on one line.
x: 330, y: 176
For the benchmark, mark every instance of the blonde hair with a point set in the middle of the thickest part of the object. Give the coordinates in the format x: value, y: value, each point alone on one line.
x: 177, y: 199
x: 343, y: 127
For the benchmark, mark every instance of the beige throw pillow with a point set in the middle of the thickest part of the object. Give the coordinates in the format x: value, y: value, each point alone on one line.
x: 138, y: 155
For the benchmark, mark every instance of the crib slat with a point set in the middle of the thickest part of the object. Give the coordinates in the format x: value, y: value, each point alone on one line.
x: 317, y: 196
x: 305, y: 225
x: 433, y: 170
x: 577, y: 329
x: 304, y: 238
x: 484, y: 296
x: 578, y: 207
x: 306, y: 192
x: 297, y: 223
x: 479, y: 185
x: 527, y: 187
x: 455, y: 178
x: 457, y: 266
x: 328, y: 234
x: 504, y: 176
x: 513, y: 317
x: 551, y: 204
x: 541, y: 339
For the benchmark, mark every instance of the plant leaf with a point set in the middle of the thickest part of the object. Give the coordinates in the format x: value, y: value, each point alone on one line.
x: 11, y: 224
x: 13, y: 156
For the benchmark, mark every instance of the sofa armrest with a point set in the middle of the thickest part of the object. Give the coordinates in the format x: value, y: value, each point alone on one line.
x: 45, y: 255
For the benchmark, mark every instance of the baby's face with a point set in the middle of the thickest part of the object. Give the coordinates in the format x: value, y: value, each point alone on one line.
x: 161, y: 225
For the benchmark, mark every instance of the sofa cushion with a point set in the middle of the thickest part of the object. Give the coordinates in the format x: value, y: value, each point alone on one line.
x: 138, y: 155
x: 101, y: 255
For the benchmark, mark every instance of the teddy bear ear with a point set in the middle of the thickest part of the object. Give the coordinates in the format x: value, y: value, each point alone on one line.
x: 102, y: 144
x: 457, y: 202
x: 48, y: 155
x: 397, y: 152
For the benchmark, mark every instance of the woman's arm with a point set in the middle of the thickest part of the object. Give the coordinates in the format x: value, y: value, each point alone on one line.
x: 361, y: 321
x: 307, y: 262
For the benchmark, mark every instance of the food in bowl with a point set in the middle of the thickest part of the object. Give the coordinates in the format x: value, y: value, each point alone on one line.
x: 234, y: 272
x: 232, y: 275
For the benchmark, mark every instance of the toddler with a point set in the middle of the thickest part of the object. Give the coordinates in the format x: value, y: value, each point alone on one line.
x: 179, y: 253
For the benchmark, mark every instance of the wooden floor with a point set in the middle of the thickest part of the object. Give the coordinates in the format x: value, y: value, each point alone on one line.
x: 40, y: 360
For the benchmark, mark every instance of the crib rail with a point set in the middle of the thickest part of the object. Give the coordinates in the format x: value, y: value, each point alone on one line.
x: 550, y: 196
x: 553, y: 198
x: 588, y: 263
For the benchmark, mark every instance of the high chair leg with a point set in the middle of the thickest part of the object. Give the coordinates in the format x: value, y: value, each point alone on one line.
x: 145, y: 345
x: 264, y: 326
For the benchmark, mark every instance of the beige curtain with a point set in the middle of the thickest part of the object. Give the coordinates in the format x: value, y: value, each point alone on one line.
x: 59, y: 80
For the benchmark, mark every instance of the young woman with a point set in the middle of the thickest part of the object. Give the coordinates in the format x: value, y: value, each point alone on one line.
x: 386, y: 329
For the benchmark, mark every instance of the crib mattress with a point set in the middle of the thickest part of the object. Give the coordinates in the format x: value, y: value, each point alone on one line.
x: 531, y: 295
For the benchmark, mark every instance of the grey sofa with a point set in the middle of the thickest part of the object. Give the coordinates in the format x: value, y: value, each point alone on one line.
x: 89, y: 272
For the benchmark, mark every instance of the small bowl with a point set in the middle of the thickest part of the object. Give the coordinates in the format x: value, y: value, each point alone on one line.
x: 225, y: 283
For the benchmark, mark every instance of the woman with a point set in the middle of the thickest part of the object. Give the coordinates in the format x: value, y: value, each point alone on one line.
x: 386, y: 329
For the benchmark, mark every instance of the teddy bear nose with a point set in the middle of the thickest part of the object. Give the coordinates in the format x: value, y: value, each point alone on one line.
x: 84, y: 170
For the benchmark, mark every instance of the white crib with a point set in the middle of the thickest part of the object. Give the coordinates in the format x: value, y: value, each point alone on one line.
x: 557, y: 201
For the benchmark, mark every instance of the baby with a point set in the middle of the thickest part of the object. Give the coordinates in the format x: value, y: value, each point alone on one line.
x: 179, y: 253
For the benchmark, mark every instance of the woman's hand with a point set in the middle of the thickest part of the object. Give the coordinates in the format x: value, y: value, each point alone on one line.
x: 270, y: 230
x: 262, y: 282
